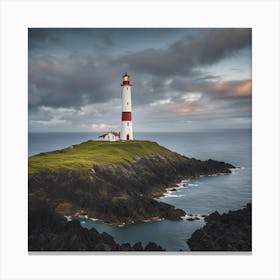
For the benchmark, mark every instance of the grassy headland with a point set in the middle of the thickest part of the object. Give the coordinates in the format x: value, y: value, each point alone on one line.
x: 115, y: 182
x: 83, y: 156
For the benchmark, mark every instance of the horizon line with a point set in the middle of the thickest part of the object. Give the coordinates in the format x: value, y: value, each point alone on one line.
x: 190, y: 131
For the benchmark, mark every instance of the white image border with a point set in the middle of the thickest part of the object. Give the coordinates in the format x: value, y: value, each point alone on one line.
x: 261, y: 16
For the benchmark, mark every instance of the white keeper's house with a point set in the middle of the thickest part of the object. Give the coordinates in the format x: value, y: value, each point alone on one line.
x: 110, y: 136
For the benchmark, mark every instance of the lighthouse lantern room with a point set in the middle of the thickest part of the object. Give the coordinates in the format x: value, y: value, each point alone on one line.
x: 126, y: 129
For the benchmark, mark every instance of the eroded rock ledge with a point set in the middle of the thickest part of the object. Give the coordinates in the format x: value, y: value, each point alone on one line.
x: 226, y: 232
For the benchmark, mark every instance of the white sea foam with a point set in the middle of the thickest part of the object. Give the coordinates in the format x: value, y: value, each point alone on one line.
x: 93, y: 219
x: 192, y: 185
x: 185, y: 217
x: 153, y: 220
x: 185, y: 184
x: 180, y: 186
x: 238, y: 168
x: 175, y: 195
x: 185, y: 181
x: 171, y: 194
x: 193, y: 216
x: 68, y: 218
x: 83, y: 216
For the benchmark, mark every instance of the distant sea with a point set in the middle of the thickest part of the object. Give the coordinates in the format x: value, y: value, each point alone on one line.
x: 200, y: 196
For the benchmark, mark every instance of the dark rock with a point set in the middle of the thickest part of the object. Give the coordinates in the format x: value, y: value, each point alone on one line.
x: 138, y: 247
x: 192, y: 218
x: 151, y: 246
x: 214, y: 217
x: 173, y: 190
x: 99, y: 247
x: 126, y: 247
x: 226, y: 232
x: 48, y: 231
x: 109, y: 241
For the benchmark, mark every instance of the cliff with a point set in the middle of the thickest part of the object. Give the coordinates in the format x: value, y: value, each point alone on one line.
x: 114, y: 182
x: 227, y: 232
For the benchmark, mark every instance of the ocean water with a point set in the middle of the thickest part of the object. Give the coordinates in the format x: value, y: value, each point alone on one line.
x: 199, y: 196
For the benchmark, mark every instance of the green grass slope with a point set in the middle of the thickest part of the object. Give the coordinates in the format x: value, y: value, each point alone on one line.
x: 83, y: 156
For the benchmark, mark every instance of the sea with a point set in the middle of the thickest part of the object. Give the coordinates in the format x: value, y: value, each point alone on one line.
x: 198, y: 197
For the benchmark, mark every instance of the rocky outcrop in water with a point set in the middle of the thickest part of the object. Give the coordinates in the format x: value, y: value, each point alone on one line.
x: 49, y: 231
x: 120, y: 193
x: 226, y: 232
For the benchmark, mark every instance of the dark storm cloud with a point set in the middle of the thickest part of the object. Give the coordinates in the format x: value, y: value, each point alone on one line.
x: 181, y: 57
x: 39, y: 38
x: 68, y: 82
x: 51, y: 38
x: 70, y: 69
x: 76, y: 79
x: 207, y: 77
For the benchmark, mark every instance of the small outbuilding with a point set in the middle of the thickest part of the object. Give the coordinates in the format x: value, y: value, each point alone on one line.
x: 110, y: 136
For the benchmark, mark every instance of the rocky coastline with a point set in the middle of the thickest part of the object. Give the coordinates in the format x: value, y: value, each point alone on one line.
x: 231, y: 231
x: 120, y: 193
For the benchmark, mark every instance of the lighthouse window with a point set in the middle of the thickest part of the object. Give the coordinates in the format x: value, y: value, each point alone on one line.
x: 127, y: 124
x: 126, y: 103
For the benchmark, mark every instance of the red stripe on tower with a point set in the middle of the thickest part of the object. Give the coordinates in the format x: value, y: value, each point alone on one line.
x: 126, y: 116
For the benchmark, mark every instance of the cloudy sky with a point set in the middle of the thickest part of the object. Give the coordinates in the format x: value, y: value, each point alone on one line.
x: 183, y: 79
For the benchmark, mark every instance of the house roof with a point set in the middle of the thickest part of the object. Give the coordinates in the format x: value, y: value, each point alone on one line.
x: 103, y: 135
x: 113, y: 132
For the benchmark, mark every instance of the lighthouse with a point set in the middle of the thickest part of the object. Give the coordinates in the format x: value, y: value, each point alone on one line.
x: 126, y: 129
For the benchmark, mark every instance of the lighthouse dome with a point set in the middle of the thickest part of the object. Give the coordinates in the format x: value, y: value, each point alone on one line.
x: 125, y: 77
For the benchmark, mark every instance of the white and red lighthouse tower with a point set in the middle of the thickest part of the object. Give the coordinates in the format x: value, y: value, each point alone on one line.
x: 126, y: 130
